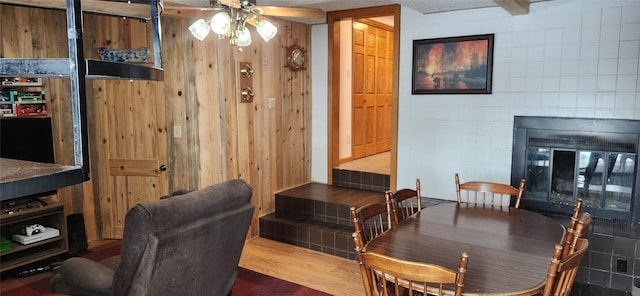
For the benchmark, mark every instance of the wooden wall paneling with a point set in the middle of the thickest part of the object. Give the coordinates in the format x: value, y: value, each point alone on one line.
x: 178, y: 53
x: 221, y: 138
x: 100, y: 158
x: 212, y: 63
x: 265, y: 68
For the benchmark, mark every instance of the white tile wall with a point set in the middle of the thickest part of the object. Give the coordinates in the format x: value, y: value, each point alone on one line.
x: 566, y: 58
x: 570, y: 58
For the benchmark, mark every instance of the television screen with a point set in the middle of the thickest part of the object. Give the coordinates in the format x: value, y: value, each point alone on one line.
x: 26, y: 138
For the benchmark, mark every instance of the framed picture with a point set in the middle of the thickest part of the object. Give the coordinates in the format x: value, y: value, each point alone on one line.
x: 454, y: 65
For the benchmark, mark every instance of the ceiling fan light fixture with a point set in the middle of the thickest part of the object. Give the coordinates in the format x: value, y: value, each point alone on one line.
x: 266, y: 29
x: 221, y: 23
x: 244, y: 37
x: 199, y: 29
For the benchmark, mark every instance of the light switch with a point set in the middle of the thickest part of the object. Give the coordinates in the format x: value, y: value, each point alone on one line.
x: 272, y: 103
x: 177, y: 131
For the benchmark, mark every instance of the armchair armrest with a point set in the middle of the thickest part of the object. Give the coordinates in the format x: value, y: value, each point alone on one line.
x: 82, y: 276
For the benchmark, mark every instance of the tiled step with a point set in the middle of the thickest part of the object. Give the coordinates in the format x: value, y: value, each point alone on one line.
x: 323, y: 203
x: 360, y: 180
x: 324, y: 237
x: 317, y: 216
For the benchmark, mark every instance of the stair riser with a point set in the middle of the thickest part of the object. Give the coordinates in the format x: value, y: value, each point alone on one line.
x: 329, y: 240
x: 360, y: 180
x: 295, y: 207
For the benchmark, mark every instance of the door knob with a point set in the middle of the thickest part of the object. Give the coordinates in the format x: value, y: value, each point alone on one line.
x: 162, y: 168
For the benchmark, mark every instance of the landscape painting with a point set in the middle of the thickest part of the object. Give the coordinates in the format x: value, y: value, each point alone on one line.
x: 454, y: 65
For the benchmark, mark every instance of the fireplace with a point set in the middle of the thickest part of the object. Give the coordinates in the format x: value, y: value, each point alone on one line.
x: 563, y: 159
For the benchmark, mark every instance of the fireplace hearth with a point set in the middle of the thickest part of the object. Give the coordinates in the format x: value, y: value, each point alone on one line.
x: 563, y: 159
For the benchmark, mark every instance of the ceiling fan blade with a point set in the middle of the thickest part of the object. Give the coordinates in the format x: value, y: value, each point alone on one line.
x: 232, y: 3
x: 297, y: 12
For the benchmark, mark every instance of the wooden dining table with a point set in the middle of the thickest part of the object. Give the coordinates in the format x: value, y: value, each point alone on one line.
x: 509, y: 249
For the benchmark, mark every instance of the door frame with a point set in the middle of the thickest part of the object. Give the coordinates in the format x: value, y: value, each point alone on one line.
x: 333, y: 110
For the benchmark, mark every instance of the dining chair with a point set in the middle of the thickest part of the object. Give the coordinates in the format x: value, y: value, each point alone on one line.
x: 404, y: 202
x: 570, y: 235
x: 582, y: 224
x: 403, y: 276
x: 479, y: 192
x: 371, y: 220
x: 563, y: 270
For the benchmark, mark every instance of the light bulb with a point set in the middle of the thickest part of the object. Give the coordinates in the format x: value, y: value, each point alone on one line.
x: 244, y: 37
x: 266, y: 30
x: 221, y: 23
x: 199, y: 29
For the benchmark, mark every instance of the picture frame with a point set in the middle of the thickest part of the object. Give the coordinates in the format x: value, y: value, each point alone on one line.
x: 453, y: 65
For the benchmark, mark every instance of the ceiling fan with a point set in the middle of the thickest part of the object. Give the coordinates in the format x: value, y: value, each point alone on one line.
x: 230, y: 18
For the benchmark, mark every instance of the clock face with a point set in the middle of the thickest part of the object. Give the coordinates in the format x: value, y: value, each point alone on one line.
x: 295, y: 58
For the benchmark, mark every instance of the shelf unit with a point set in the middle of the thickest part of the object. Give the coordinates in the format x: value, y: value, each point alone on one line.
x: 22, y: 95
x: 51, y: 215
x: 77, y: 69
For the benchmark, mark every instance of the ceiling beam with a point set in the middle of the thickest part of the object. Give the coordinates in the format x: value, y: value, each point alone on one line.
x: 514, y: 7
x: 140, y: 11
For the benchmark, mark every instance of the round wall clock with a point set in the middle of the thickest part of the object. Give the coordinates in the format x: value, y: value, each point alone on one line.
x: 295, y: 58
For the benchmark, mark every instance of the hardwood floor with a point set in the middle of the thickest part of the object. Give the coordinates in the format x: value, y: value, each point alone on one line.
x: 379, y: 164
x: 326, y: 273
x: 316, y: 270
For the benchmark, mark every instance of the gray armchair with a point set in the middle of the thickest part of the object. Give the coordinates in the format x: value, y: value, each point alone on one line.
x: 184, y: 245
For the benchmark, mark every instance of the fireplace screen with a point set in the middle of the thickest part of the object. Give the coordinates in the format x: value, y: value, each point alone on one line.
x: 563, y: 159
x: 602, y: 179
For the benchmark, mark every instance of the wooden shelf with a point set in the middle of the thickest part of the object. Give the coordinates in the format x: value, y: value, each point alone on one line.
x: 51, y: 215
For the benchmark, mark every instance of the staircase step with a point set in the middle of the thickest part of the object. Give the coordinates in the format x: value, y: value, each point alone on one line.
x: 360, y: 180
x: 311, y: 234
x: 323, y: 203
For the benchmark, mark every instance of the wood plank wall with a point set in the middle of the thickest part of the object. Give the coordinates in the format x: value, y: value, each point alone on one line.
x: 221, y: 138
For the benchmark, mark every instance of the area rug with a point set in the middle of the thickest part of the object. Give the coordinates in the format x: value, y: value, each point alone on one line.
x: 248, y: 283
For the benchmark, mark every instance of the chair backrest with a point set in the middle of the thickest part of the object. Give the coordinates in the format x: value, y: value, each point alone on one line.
x: 404, y: 202
x: 371, y: 220
x: 185, y: 245
x: 573, y: 235
x: 384, y: 275
x: 488, y: 193
x: 571, y: 228
x: 563, y: 270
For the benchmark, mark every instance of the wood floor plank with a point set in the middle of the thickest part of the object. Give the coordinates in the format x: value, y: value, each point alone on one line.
x: 316, y: 270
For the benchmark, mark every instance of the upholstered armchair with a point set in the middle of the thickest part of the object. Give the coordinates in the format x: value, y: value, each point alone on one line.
x: 184, y: 245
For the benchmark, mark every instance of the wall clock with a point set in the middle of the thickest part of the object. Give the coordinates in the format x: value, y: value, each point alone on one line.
x: 296, y: 58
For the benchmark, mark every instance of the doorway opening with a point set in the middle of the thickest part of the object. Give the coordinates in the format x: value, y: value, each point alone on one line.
x: 363, y: 90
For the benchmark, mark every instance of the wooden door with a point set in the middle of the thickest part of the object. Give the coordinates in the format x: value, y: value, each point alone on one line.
x: 131, y: 135
x: 371, y: 97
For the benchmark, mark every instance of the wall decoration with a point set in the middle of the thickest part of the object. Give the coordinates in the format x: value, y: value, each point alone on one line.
x: 295, y: 58
x: 454, y: 65
x: 140, y: 55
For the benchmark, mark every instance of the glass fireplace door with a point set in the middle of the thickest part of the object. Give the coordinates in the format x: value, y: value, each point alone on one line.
x: 605, y: 179
x: 602, y: 179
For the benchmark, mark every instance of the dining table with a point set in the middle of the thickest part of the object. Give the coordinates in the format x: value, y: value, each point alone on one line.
x: 509, y: 249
